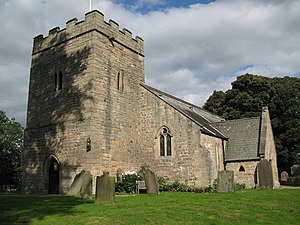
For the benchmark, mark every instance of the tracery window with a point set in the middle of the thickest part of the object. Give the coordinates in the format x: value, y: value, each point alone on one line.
x: 165, y: 142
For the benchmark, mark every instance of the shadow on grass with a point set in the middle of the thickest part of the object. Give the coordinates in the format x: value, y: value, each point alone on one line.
x: 14, y: 211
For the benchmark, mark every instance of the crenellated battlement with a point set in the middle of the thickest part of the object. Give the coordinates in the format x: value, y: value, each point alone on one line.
x: 94, y: 21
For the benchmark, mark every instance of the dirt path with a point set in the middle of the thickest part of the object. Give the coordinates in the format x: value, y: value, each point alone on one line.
x: 289, y: 187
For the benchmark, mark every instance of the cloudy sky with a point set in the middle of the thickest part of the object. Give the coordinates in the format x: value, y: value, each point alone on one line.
x: 192, y: 47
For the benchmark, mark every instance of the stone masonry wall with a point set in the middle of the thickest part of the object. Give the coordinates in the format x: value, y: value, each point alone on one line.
x: 269, y: 145
x: 244, y: 177
x: 117, y: 75
x: 89, y: 55
x: 56, y: 118
x: 192, y: 159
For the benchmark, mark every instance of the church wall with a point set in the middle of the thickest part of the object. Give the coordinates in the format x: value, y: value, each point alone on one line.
x: 117, y: 75
x: 244, y: 177
x: 216, y: 149
x: 269, y: 145
x: 192, y: 153
x: 56, y: 118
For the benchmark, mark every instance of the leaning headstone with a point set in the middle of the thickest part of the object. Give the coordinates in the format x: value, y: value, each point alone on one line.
x: 151, y: 182
x: 265, y: 175
x: 225, y: 181
x: 295, y: 172
x: 284, y: 177
x: 82, y: 185
x: 105, y: 189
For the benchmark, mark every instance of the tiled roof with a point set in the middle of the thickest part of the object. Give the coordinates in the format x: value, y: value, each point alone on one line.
x: 243, y: 136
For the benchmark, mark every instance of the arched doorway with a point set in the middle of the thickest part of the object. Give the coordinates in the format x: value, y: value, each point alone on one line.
x: 53, y: 182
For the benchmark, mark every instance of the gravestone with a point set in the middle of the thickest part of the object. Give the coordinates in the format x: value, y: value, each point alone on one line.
x: 225, y: 181
x: 82, y: 185
x: 284, y: 177
x: 265, y: 175
x: 105, y: 189
x: 295, y: 172
x: 151, y: 182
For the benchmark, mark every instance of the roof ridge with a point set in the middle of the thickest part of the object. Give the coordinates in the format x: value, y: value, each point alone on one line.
x: 248, y: 118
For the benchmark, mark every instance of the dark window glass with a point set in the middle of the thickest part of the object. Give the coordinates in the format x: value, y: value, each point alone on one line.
x: 242, y: 169
x: 162, y: 145
x: 60, y: 81
x: 169, y: 151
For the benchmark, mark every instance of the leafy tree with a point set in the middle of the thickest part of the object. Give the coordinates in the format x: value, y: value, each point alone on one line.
x: 249, y: 93
x: 11, y: 144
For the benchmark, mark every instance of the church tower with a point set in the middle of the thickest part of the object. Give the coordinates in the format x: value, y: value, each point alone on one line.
x: 83, y: 101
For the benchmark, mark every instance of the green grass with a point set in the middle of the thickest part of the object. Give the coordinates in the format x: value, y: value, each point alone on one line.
x: 243, y: 207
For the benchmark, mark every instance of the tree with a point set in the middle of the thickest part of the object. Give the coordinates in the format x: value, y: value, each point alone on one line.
x: 249, y: 93
x: 11, y: 145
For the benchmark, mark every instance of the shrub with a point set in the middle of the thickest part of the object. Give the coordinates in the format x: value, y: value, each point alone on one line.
x: 127, y: 183
x: 177, y: 187
x: 239, y: 187
x: 211, y: 188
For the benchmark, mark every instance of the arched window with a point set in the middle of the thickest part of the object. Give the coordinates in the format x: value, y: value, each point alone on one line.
x: 242, y: 169
x: 165, y: 142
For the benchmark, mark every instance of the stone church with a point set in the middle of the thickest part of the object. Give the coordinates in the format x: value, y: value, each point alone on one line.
x: 90, y: 109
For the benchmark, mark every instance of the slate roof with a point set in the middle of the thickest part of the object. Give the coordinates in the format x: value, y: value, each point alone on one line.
x: 244, y: 135
x: 196, y: 114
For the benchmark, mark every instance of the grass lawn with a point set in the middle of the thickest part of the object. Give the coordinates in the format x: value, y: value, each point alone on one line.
x: 243, y: 207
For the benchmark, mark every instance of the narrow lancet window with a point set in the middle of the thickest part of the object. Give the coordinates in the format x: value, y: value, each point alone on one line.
x: 120, y: 81
x: 60, y: 81
x: 162, y: 145
x: 169, y: 151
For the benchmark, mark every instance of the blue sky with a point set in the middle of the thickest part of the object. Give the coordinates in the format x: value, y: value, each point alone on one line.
x: 191, y: 47
x: 145, y: 6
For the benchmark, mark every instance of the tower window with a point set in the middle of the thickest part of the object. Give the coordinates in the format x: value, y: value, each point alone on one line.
x: 165, y: 142
x: 120, y: 81
x: 58, y: 81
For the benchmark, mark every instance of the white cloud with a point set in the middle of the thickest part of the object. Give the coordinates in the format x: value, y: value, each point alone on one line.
x: 189, y: 51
